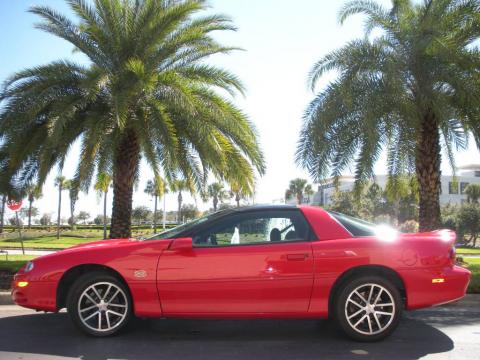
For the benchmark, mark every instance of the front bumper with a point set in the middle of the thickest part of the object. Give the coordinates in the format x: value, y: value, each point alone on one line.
x: 38, y: 295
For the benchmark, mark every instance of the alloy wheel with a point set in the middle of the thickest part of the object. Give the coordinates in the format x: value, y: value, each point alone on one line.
x: 370, y: 309
x: 102, y: 306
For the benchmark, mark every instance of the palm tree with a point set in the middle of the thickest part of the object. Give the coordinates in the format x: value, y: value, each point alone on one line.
x: 2, y: 212
x: 217, y: 193
x: 298, y: 188
x: 473, y: 193
x: 63, y: 184
x: 33, y: 193
x: 155, y: 188
x: 180, y: 186
x: 73, y: 190
x: 101, y: 186
x: 238, y: 192
x: 410, y: 89
x: 147, y: 92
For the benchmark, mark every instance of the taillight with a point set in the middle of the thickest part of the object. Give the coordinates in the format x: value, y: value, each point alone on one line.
x: 452, y: 255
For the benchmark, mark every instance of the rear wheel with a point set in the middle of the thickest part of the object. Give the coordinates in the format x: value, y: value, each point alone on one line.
x: 99, y: 304
x: 368, y: 308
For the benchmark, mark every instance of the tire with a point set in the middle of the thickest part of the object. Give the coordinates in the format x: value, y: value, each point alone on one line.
x: 99, y: 304
x: 371, y: 322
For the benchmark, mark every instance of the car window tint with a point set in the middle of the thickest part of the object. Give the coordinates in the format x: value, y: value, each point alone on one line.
x: 254, y: 228
x: 356, y: 227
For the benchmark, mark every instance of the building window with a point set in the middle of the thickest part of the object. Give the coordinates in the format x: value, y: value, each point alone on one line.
x: 463, y: 185
x: 477, y: 173
x: 453, y: 187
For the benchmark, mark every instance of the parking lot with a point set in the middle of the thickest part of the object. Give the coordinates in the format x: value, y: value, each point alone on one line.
x: 448, y: 332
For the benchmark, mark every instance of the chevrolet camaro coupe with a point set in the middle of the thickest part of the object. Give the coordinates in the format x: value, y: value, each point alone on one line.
x: 255, y: 262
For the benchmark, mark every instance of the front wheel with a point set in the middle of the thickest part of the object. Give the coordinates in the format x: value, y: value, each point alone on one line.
x: 368, y: 308
x: 99, y: 304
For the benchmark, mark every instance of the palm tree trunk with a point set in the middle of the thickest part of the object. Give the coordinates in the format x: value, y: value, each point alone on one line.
x: 299, y: 199
x: 2, y: 213
x: 59, y: 209
x: 215, y: 203
x: 30, y: 214
x: 179, y: 212
x: 427, y: 164
x: 164, y: 211
x: 237, y: 199
x: 126, y: 162
x: 105, y: 214
x: 155, y: 215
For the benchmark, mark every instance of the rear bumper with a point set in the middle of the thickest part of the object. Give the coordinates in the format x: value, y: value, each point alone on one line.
x: 431, y: 287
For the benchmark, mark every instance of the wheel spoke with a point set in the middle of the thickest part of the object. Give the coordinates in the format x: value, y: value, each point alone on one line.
x: 361, y: 297
x: 369, y: 323
x: 378, y: 296
x: 356, y: 313
x: 99, y: 320
x: 117, y: 305
x: 91, y: 315
x: 106, y: 292
x: 115, y: 313
x: 91, y: 299
x: 377, y: 321
x: 386, y: 304
x: 96, y: 293
x: 113, y: 296
x: 370, y: 293
x: 359, y: 321
x: 384, y: 313
x: 355, y: 303
x: 89, y: 308
x: 108, y: 320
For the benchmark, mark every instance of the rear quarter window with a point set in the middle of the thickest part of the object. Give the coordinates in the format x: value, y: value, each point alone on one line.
x: 356, y: 227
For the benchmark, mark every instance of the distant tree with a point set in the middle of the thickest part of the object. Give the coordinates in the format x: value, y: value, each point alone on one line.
x: 155, y: 188
x: 298, y: 188
x: 101, y: 186
x: 83, y: 216
x: 99, y: 219
x: 13, y: 221
x: 34, y: 192
x: 449, y: 213
x: 179, y: 186
x: 28, y: 213
x: 239, y: 192
x: 46, y: 220
x: 189, y: 212
x: 72, y: 220
x: 217, y: 193
x: 473, y: 193
x: 62, y: 183
x: 409, y: 226
x: 141, y: 213
x: 468, y: 222
x: 401, y: 191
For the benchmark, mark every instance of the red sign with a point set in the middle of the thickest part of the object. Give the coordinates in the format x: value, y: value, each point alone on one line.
x: 14, y: 205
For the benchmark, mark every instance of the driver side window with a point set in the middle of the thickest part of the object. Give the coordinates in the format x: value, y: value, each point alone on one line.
x: 255, y: 228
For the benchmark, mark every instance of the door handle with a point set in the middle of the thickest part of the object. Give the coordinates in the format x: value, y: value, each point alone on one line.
x: 296, y: 257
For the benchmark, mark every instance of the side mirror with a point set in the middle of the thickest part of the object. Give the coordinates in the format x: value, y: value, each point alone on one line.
x: 181, y: 244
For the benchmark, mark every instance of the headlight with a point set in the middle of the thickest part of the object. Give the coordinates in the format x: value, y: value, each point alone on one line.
x: 28, y: 267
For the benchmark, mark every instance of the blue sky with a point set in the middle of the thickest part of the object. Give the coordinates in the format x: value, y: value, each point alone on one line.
x: 282, y: 39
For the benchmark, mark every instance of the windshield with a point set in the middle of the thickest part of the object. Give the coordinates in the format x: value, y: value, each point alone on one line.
x: 168, y: 234
x: 355, y: 226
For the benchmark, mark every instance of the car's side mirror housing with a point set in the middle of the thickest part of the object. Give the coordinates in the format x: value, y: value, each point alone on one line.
x: 181, y: 244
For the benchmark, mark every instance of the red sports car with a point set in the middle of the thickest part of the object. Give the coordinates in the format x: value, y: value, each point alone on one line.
x: 255, y: 262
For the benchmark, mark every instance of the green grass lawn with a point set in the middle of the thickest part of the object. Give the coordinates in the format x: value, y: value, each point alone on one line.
x: 474, y: 266
x: 48, y: 240
x: 469, y: 251
x: 14, y: 262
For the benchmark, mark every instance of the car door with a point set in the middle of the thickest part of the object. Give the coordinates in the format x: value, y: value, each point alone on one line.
x: 246, y: 263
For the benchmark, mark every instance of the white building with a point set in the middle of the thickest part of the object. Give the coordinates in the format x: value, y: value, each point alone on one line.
x: 452, y: 190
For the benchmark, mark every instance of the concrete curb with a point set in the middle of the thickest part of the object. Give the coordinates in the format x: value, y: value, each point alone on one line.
x: 6, y: 298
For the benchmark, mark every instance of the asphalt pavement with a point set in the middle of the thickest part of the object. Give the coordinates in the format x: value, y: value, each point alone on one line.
x: 448, y: 332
